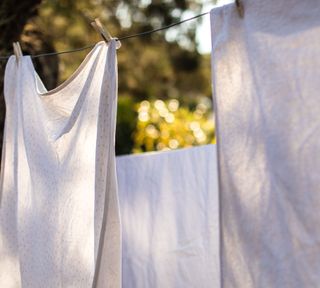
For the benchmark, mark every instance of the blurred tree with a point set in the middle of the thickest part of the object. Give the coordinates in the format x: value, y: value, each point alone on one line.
x: 163, y: 65
x: 14, y: 15
x: 126, y: 124
x: 149, y: 66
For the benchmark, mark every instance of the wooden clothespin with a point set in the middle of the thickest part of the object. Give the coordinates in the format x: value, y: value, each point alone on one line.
x: 17, y: 50
x: 240, y: 8
x: 103, y: 32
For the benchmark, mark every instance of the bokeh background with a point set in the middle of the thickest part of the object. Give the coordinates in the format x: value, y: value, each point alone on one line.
x: 165, y: 97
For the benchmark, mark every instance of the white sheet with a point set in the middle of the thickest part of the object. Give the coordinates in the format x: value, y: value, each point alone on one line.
x: 266, y: 70
x: 58, y: 184
x: 169, y: 212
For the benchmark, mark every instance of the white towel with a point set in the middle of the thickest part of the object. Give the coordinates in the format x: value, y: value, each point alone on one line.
x: 169, y: 212
x: 266, y: 81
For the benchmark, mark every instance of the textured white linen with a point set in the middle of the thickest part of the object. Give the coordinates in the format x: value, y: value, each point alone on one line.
x: 169, y: 214
x: 58, y: 184
x: 266, y: 92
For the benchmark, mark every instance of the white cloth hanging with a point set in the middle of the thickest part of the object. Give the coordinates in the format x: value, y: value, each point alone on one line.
x: 265, y: 70
x: 169, y: 213
x: 58, y: 184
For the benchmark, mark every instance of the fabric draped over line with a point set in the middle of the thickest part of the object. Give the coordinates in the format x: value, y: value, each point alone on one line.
x: 59, y: 216
x: 265, y: 74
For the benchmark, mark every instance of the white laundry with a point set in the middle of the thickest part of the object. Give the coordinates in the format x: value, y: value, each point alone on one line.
x: 266, y: 69
x: 169, y: 214
x: 58, y: 183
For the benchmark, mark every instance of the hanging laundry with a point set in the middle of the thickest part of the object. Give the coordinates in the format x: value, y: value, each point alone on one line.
x: 169, y: 214
x: 59, y: 214
x: 266, y: 93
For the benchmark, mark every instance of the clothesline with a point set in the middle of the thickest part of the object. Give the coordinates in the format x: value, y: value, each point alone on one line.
x: 119, y: 39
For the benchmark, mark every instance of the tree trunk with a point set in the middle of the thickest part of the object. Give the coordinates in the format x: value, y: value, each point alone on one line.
x: 14, y: 15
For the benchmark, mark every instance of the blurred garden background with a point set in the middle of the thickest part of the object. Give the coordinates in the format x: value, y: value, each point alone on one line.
x: 164, y: 79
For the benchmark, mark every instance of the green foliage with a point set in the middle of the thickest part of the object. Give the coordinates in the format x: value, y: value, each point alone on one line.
x: 126, y: 123
x: 164, y: 125
x: 148, y: 65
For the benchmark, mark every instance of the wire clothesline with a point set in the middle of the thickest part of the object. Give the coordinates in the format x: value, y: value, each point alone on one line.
x: 120, y: 38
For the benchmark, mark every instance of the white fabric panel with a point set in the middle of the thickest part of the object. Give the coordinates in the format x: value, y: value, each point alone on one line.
x: 266, y: 70
x: 58, y: 183
x: 169, y: 213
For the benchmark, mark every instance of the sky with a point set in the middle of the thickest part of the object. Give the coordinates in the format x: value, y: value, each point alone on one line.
x: 203, y: 32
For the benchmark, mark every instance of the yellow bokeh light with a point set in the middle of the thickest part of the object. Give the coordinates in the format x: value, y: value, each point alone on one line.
x: 173, y: 143
x: 143, y: 116
x: 173, y: 105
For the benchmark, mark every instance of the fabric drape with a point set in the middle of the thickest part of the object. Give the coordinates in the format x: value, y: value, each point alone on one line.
x: 59, y: 215
x: 265, y: 74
